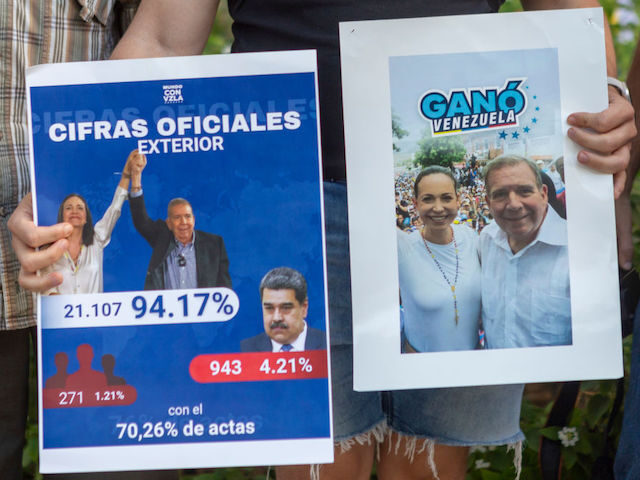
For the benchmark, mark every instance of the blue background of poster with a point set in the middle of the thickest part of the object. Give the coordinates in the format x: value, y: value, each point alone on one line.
x: 261, y: 194
x: 155, y: 360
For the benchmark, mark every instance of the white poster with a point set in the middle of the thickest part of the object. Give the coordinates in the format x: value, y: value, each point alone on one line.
x: 481, y: 251
x: 182, y: 342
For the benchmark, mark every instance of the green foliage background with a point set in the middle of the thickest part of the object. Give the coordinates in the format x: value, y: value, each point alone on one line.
x: 442, y: 151
x: 594, y: 402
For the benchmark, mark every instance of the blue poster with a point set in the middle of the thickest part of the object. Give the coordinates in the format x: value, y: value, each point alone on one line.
x: 192, y: 318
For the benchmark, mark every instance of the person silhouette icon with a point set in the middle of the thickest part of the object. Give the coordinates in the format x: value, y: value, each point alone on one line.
x: 60, y: 378
x: 108, y: 365
x: 85, y: 376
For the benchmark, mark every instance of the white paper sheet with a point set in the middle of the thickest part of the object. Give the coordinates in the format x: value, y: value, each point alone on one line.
x: 386, y: 67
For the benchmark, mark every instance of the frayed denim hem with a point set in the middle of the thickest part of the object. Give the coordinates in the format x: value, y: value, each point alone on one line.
x: 376, y: 434
x: 412, y: 446
x: 517, y: 456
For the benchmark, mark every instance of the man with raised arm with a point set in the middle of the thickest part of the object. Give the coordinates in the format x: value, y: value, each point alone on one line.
x: 182, y: 257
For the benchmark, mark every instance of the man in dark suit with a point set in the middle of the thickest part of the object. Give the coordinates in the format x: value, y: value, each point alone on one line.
x: 182, y: 257
x: 283, y: 292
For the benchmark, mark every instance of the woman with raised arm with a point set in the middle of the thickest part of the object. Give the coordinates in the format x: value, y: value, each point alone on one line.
x: 81, y: 263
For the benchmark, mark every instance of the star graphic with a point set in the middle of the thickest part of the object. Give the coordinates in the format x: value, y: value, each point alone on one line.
x: 515, y: 135
x: 537, y: 109
x: 526, y: 129
x: 535, y: 96
x: 502, y: 135
x: 534, y: 120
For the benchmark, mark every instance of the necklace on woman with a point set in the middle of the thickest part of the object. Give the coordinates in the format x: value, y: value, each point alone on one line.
x: 444, y: 275
x: 74, y: 263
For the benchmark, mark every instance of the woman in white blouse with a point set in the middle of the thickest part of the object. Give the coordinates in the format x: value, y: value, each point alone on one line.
x: 439, y: 270
x: 81, y: 264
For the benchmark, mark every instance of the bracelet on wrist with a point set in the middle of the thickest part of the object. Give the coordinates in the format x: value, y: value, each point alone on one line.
x: 620, y: 86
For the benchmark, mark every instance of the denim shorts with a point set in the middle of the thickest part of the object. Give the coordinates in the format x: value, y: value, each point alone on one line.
x: 486, y: 415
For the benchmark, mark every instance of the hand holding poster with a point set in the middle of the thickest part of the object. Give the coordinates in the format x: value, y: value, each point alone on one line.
x: 489, y: 274
x: 186, y: 328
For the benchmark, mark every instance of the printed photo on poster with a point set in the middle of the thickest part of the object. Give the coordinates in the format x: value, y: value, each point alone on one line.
x: 495, y: 112
x: 481, y: 268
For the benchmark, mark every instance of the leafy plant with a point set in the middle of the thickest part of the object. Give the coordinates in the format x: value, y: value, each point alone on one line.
x: 397, y: 131
x: 582, y: 440
x: 444, y: 151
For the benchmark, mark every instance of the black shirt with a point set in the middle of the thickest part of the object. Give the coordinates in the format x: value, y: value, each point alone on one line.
x: 265, y: 25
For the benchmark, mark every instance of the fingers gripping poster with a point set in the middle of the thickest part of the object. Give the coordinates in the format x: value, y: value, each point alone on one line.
x: 190, y: 328
x: 494, y: 258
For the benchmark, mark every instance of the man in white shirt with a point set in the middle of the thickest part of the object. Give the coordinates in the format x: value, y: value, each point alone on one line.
x: 525, y: 264
x: 556, y: 178
x: 283, y: 291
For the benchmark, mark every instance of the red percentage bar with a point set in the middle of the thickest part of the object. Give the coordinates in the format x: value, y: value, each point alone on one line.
x: 88, y: 397
x: 259, y: 366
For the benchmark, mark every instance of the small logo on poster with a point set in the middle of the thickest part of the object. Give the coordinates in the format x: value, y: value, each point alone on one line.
x: 172, y: 93
x: 474, y: 109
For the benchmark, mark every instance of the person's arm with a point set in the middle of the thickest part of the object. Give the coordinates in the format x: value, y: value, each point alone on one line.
x: 149, y: 229
x: 605, y: 135
x: 562, y: 4
x: 165, y: 28
x: 623, y: 204
x: 141, y: 220
x: 104, y: 227
x: 125, y: 178
x: 136, y: 163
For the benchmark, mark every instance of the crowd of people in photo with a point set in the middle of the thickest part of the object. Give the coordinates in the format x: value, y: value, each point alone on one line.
x: 473, y: 212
